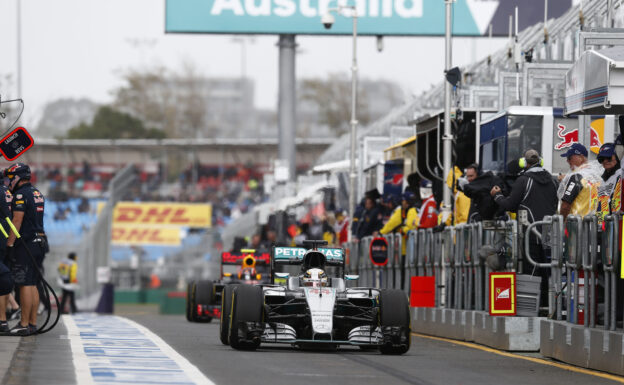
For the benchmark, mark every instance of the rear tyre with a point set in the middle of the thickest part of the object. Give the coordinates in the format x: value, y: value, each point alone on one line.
x: 226, y: 310
x: 204, y: 295
x: 394, y: 312
x: 193, y: 302
x: 247, y: 306
x: 189, y: 291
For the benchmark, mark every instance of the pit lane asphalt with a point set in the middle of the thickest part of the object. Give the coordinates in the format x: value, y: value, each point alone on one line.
x: 428, y: 362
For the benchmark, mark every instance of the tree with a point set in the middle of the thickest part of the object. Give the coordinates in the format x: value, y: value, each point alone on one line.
x: 111, y: 124
x: 332, y: 96
x: 172, y: 102
x: 62, y: 114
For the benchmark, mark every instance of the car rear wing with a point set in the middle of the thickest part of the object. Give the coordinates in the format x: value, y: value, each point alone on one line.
x: 238, y: 258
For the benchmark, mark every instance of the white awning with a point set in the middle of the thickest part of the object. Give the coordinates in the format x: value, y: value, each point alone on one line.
x: 595, y: 83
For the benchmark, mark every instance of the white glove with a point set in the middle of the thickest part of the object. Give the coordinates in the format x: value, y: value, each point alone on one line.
x: 462, y: 182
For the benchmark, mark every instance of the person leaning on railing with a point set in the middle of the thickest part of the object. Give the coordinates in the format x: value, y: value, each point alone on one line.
x: 610, y: 191
x: 534, y: 191
x: 404, y: 218
x: 370, y: 219
x: 477, y: 185
x: 578, y: 190
x: 461, y: 204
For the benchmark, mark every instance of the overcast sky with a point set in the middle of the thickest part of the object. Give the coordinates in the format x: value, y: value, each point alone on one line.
x: 76, y: 48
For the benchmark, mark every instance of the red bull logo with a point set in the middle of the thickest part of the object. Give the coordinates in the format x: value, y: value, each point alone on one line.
x: 596, y: 135
x: 567, y: 138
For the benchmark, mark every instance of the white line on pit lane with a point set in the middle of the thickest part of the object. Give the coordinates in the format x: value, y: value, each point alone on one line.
x: 116, y: 350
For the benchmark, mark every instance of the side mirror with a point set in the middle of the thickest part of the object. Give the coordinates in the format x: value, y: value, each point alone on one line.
x: 351, y: 277
x: 227, y: 274
x: 282, y: 275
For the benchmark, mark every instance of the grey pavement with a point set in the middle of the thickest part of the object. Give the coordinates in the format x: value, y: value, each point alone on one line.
x: 428, y: 362
x: 47, y: 359
x: 8, y: 346
x: 42, y: 359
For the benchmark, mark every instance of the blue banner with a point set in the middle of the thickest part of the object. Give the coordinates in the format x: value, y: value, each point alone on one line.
x: 375, y: 17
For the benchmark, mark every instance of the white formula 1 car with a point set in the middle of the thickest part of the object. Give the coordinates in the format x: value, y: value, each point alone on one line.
x: 312, y: 309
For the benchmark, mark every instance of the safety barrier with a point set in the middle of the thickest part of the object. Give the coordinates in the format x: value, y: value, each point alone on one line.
x: 582, y: 265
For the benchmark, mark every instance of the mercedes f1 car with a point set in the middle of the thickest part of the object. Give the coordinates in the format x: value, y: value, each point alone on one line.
x: 203, y: 298
x: 313, y: 309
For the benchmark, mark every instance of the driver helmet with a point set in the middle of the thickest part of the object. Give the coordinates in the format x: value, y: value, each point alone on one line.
x: 15, y: 173
x: 315, y: 278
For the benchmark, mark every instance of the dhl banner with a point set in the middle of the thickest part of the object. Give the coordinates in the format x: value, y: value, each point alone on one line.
x: 130, y: 236
x: 162, y: 214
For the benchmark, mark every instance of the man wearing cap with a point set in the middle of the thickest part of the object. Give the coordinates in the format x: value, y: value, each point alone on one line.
x: 610, y: 191
x: 578, y: 190
x: 28, y: 252
x: 404, y: 219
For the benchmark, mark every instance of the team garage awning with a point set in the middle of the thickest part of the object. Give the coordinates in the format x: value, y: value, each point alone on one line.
x: 595, y: 83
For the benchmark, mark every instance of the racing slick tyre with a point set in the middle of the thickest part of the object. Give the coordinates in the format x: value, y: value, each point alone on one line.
x: 247, y: 306
x: 226, y: 307
x: 204, y: 295
x: 189, y: 291
x: 394, y: 313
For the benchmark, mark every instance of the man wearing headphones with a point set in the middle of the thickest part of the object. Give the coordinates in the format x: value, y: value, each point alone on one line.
x: 28, y: 252
x: 534, y: 191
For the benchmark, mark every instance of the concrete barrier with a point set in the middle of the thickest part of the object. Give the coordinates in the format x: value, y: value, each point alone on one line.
x: 586, y: 347
x: 505, y: 333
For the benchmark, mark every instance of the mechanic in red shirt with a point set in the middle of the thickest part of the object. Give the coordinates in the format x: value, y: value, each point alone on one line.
x: 428, y: 212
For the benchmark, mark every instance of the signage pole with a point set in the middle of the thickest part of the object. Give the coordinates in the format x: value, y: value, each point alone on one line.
x: 286, y: 102
x: 448, y: 136
x: 354, y: 122
x: 19, y: 48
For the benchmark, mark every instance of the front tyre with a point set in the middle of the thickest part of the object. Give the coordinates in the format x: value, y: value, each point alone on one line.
x: 394, y: 320
x: 226, y: 311
x: 246, y: 319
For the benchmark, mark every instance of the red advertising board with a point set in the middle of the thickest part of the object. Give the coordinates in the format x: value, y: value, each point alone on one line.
x: 422, y: 292
x: 502, y: 293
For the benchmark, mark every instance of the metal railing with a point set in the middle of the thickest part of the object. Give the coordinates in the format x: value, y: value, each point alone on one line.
x: 581, y: 261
